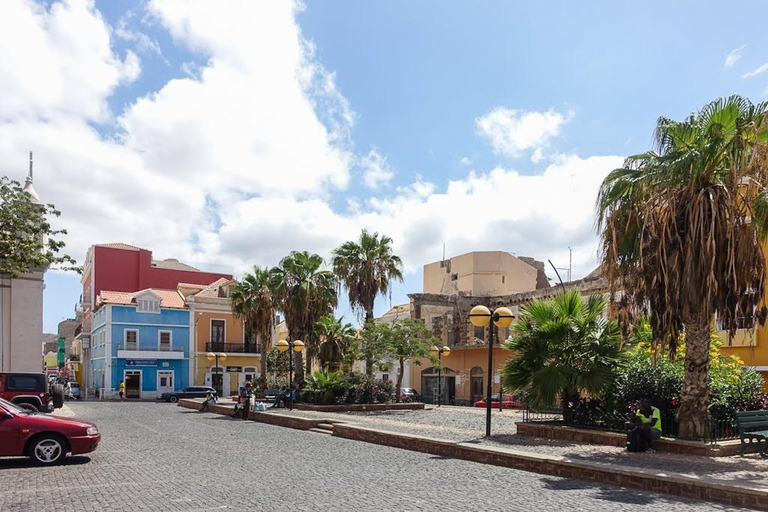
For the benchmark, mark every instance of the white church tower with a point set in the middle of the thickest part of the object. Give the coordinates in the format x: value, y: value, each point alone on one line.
x: 21, y: 312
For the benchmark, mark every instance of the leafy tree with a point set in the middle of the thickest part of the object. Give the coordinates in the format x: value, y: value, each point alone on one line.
x: 373, y: 345
x: 254, y: 303
x: 367, y: 269
x: 407, y: 339
x: 27, y: 239
x: 682, y: 229
x: 277, y: 364
x: 336, y: 339
x: 562, y: 347
x: 304, y: 292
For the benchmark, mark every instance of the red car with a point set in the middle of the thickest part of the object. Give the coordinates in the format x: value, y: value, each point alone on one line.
x: 45, y: 439
x: 508, y: 402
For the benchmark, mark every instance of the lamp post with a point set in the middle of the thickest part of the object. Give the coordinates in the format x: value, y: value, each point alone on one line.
x: 297, y: 346
x: 439, y: 351
x: 480, y: 316
x: 215, y: 356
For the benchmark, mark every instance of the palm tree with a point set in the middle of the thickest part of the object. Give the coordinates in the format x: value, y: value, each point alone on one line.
x: 305, y: 292
x: 367, y: 269
x: 681, y: 230
x: 562, y: 347
x: 254, y: 303
x: 336, y: 339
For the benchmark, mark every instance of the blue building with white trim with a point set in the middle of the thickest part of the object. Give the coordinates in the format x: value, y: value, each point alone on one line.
x: 143, y: 339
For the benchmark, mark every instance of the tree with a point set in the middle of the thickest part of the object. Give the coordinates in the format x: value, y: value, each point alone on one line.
x: 254, y: 303
x: 304, y: 293
x: 27, y: 239
x: 681, y: 229
x: 336, y: 339
x: 562, y: 347
x: 407, y: 339
x: 372, y: 345
x: 367, y: 269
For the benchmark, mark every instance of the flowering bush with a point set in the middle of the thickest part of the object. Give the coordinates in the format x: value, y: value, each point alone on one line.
x: 733, y: 386
x: 353, y: 388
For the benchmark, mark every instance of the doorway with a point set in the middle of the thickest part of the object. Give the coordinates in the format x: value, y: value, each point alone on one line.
x: 164, y: 382
x: 133, y: 383
x: 476, y: 383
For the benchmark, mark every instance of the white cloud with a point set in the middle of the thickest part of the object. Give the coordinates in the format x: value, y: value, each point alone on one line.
x: 734, y: 56
x: 376, y: 170
x: 57, y: 61
x: 512, y: 132
x: 756, y: 71
x: 143, y: 42
x: 465, y: 160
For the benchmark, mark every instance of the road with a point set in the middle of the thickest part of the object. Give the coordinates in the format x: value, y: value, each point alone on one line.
x: 157, y: 456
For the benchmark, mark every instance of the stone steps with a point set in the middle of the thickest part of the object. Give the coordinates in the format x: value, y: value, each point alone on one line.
x: 321, y: 431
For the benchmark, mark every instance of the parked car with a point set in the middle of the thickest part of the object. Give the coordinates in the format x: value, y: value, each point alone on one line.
x: 188, y: 392
x: 508, y: 401
x: 45, y: 439
x: 410, y: 395
x: 31, y: 391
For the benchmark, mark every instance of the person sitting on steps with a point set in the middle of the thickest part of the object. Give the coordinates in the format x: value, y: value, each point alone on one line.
x: 210, y: 398
x: 648, y: 420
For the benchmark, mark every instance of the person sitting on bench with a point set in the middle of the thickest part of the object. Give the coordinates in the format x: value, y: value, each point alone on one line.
x: 210, y: 398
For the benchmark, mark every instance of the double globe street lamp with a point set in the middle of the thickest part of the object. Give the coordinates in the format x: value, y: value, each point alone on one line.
x: 296, y: 346
x: 439, y: 352
x: 216, y: 356
x: 480, y: 316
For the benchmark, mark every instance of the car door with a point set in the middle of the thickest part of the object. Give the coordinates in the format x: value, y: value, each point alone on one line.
x: 9, y: 433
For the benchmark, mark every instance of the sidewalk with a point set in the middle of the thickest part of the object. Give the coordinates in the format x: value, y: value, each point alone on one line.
x: 465, y: 427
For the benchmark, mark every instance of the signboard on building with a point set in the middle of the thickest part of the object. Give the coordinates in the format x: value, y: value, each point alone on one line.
x: 141, y: 362
x: 234, y: 369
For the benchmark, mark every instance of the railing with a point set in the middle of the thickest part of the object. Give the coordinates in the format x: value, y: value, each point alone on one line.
x: 238, y: 348
x: 151, y: 348
x: 719, y: 430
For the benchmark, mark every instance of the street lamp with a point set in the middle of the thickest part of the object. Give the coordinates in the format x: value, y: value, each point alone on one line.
x: 480, y: 316
x: 297, y: 346
x: 215, y: 356
x: 439, y: 351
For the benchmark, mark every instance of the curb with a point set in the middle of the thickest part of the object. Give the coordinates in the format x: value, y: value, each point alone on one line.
x: 701, y: 488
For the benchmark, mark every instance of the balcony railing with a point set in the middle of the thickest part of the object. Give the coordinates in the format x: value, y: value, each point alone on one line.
x: 163, y: 347
x: 237, y: 348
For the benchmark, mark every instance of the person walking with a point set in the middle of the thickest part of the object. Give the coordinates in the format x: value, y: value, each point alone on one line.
x: 121, y: 391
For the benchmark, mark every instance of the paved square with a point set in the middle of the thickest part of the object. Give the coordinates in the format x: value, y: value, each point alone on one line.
x: 157, y: 456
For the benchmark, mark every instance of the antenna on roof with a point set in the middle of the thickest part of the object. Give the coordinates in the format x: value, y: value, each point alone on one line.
x: 443, y: 251
x: 30, y: 165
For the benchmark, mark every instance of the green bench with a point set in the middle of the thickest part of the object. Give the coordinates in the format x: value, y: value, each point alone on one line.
x: 753, y: 432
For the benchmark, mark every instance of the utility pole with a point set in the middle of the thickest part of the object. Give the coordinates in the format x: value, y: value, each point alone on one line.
x: 570, y: 263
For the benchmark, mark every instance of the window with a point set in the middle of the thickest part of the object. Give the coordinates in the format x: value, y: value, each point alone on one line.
x: 217, y: 331
x: 22, y: 382
x: 385, y: 377
x: 148, y: 306
x: 454, y: 277
x: 164, y: 337
x: 503, y: 279
x: 131, y: 339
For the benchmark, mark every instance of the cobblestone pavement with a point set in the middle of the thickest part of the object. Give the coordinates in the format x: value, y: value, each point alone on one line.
x: 163, y: 457
x: 468, y: 424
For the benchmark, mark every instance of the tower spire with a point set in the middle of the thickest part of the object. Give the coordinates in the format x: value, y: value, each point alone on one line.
x: 30, y: 166
x: 28, y: 188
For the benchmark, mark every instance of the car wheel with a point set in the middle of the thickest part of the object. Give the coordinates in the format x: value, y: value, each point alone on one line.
x: 48, y: 449
x: 28, y: 407
x: 173, y: 399
x: 57, y: 394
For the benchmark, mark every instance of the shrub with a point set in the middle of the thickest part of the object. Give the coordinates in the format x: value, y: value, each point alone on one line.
x: 325, y: 388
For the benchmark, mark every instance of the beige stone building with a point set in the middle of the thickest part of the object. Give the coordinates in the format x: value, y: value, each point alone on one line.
x: 21, y: 313
x: 451, y: 288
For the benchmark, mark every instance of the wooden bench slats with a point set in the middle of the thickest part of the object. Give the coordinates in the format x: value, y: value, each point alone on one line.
x: 752, y: 439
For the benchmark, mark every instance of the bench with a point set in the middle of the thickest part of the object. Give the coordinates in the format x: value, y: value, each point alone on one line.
x: 753, y: 432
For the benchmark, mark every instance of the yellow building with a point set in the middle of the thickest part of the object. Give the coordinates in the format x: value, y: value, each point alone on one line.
x: 216, y: 330
x: 751, y: 346
x: 452, y: 287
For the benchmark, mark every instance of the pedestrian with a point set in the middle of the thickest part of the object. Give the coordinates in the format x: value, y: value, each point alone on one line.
x: 247, y: 400
x: 279, y: 397
x: 210, y: 398
x: 121, y: 391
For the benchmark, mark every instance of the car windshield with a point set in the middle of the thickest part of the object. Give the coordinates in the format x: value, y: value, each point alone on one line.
x: 12, y: 407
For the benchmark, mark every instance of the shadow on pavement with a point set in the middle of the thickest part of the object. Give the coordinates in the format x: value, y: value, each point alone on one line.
x: 24, y: 462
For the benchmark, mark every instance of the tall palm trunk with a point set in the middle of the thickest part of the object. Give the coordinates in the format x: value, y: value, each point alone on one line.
x: 263, y: 349
x: 693, y: 415
x: 368, y: 353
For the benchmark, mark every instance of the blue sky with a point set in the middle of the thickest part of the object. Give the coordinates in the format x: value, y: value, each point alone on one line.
x: 233, y: 135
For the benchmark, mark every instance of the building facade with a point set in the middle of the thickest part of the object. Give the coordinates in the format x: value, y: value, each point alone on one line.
x: 120, y: 267
x: 217, y: 330
x: 143, y: 339
x: 21, y: 312
x: 465, y: 371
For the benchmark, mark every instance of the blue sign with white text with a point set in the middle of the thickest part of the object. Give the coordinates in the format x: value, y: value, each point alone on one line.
x: 141, y: 362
